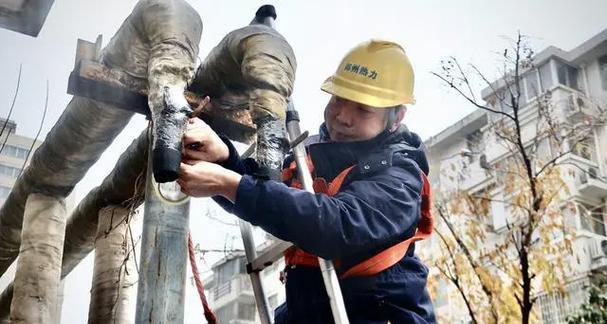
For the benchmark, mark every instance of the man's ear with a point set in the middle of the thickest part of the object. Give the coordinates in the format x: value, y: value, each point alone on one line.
x: 400, y: 115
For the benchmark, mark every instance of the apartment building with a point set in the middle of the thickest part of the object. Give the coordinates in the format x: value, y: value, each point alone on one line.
x: 462, y: 155
x: 14, y: 150
x: 230, y: 292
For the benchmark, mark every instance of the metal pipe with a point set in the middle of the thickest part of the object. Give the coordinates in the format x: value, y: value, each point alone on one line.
x: 329, y: 275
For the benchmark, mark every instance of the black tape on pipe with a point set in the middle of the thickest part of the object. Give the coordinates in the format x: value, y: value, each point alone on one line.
x: 272, y: 144
x: 169, y: 127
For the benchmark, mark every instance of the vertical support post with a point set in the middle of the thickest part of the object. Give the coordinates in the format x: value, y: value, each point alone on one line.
x: 164, y: 255
x: 38, y: 274
x: 114, y: 274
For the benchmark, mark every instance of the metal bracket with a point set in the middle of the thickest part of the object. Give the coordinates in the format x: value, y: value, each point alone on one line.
x: 92, y: 79
x: 271, y: 255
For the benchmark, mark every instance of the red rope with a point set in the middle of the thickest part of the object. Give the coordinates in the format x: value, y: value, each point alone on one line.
x: 208, y: 313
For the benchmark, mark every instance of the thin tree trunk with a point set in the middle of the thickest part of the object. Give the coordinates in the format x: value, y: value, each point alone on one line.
x: 114, y: 275
x: 38, y: 273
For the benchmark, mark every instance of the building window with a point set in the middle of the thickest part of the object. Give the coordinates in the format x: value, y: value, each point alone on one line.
x: 555, y: 307
x: 242, y: 265
x: 567, y: 75
x: 592, y: 218
x: 246, y: 311
x: 522, y: 99
x: 475, y: 144
x: 603, y: 70
x: 498, y: 212
x: 226, y: 313
x: 546, y: 76
x: 533, y: 88
x: 18, y: 152
x: 9, y: 171
x: 584, y: 148
x: 227, y: 271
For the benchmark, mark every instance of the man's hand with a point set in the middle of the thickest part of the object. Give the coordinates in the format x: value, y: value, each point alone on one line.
x: 205, y: 179
x: 201, y: 143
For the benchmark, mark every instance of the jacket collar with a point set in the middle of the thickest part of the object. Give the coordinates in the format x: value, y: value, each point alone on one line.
x: 330, y: 158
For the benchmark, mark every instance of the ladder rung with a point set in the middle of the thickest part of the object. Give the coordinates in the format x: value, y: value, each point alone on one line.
x: 271, y: 255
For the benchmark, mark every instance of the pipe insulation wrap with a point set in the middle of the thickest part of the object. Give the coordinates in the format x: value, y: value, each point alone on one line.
x: 169, y: 127
x: 38, y: 273
x: 159, y: 41
x: 123, y: 186
x: 113, y: 288
x: 84, y: 130
x: 247, y: 59
x: 272, y: 145
x: 253, y: 67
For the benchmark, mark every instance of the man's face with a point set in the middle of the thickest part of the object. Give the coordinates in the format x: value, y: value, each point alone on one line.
x: 348, y: 121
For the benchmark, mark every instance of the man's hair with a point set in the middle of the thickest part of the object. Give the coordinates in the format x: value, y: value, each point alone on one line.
x: 393, y: 114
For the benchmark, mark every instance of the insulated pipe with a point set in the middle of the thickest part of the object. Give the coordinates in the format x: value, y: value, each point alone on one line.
x: 253, y: 68
x: 123, y: 186
x: 84, y: 130
x: 38, y: 274
x: 164, y: 256
x: 159, y: 42
x: 114, y: 275
x: 169, y: 127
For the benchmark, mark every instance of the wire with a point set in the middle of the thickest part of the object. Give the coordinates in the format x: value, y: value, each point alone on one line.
x: 10, y: 111
x: 29, y: 152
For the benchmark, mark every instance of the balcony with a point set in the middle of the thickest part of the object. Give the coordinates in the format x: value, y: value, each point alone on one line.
x: 597, y: 251
x: 577, y: 104
x: 239, y: 287
x: 588, y: 180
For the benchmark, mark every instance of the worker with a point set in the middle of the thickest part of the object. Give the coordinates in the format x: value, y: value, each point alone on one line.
x: 371, y: 201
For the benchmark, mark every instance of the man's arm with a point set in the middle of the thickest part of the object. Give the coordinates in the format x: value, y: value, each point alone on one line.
x: 367, y: 213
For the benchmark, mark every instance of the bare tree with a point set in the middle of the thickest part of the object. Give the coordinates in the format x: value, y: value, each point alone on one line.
x: 498, y: 273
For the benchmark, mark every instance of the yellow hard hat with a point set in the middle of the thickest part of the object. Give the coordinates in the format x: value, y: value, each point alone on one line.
x: 376, y: 73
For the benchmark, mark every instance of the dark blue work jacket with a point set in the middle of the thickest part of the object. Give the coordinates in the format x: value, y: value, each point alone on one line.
x: 378, y: 206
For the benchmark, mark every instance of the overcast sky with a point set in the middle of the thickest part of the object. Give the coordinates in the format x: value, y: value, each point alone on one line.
x: 321, y: 32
